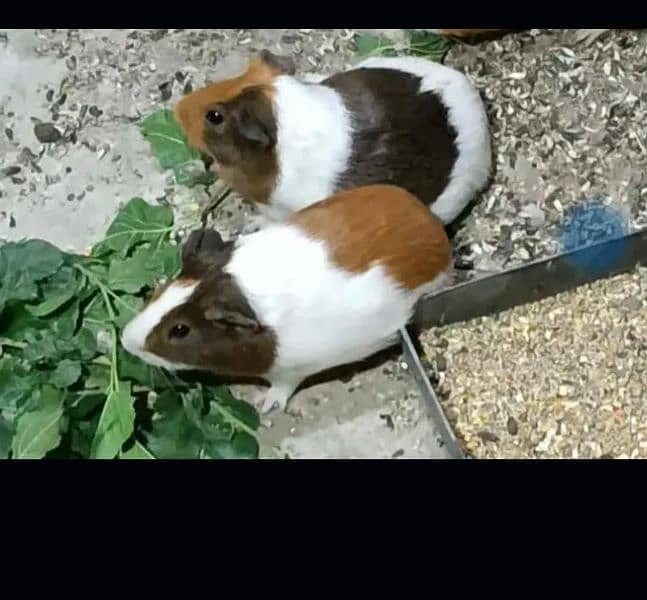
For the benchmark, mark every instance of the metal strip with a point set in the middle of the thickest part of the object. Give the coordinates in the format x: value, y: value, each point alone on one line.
x: 495, y: 293
x: 446, y: 438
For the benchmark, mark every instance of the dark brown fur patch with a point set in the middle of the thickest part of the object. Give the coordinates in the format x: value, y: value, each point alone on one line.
x: 380, y: 224
x: 401, y: 137
x: 225, y: 336
x: 243, y: 146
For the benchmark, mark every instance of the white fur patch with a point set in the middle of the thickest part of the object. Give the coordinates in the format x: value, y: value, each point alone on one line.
x: 467, y: 116
x: 137, y: 331
x: 314, y: 143
x: 322, y: 315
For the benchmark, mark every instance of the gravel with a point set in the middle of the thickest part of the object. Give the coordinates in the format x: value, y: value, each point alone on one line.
x: 559, y: 378
x: 568, y: 113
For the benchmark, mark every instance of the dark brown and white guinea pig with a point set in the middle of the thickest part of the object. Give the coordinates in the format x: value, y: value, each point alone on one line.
x: 331, y: 285
x: 286, y: 144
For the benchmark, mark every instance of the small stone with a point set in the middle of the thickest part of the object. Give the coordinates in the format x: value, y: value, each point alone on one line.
x: 188, y: 88
x: 512, y: 426
x: 166, y: 90
x: 488, y: 436
x: 49, y: 95
x: 46, y: 133
x: 12, y: 222
x: 70, y: 197
x: 95, y: 111
x: 9, y: 133
x: 70, y: 63
x: 398, y: 453
x: 441, y: 362
x: 10, y: 171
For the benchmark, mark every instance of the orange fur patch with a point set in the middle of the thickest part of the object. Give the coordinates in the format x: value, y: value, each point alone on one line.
x: 191, y: 109
x: 380, y: 224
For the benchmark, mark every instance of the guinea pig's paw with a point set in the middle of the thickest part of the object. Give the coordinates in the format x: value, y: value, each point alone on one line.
x: 277, y: 395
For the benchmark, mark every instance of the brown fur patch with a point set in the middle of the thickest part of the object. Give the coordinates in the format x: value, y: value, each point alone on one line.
x: 246, y: 166
x: 380, y: 224
x: 190, y: 110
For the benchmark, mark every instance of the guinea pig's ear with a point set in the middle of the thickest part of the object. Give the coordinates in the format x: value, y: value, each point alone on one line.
x: 204, y: 248
x: 202, y: 240
x: 254, y: 117
x: 283, y: 65
x: 227, y: 305
x: 231, y: 317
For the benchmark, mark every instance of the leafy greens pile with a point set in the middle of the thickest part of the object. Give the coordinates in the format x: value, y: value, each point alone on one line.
x: 67, y: 387
x: 417, y: 43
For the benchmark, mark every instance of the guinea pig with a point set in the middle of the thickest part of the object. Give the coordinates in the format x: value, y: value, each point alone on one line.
x: 285, y: 143
x: 331, y: 285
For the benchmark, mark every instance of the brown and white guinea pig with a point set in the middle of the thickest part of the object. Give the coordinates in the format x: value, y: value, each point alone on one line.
x: 331, y: 285
x: 285, y: 143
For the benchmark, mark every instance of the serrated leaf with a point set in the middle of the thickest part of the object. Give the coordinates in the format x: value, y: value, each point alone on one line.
x: 81, y: 435
x: 170, y: 146
x: 17, y: 323
x: 6, y: 435
x: 367, y: 44
x: 136, y: 452
x: 133, y: 369
x: 138, y: 222
x: 56, y: 291
x: 167, y: 140
x: 242, y: 445
x: 16, y: 383
x: 129, y: 275
x: 173, y: 435
x: 144, y: 268
x: 67, y: 373
x: 116, y: 423
x: 22, y: 265
x: 39, y: 431
x: 429, y: 45
x: 127, y: 309
x: 193, y: 173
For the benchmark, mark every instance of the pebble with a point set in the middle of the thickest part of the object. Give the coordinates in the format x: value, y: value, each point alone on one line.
x: 46, y: 133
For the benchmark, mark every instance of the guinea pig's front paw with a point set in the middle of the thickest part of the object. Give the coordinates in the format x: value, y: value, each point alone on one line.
x: 277, y: 395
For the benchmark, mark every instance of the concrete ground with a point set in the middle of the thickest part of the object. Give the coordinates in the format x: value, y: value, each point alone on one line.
x: 89, y: 88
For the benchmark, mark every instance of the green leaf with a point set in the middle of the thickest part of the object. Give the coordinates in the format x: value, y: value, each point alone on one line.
x: 129, y: 275
x: 39, y: 431
x: 127, y: 310
x: 6, y: 434
x: 81, y: 435
x: 167, y: 140
x: 193, y: 173
x: 136, y: 452
x: 56, y: 291
x: 67, y: 373
x: 143, y: 269
x: 429, y: 45
x: 17, y: 323
x: 22, y: 265
x: 171, y: 148
x: 174, y: 435
x: 16, y: 383
x: 136, y: 223
x: 116, y: 424
x: 242, y: 445
x: 368, y: 44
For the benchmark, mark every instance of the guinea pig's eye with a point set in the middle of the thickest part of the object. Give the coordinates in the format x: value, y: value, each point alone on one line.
x: 214, y: 117
x: 179, y: 331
